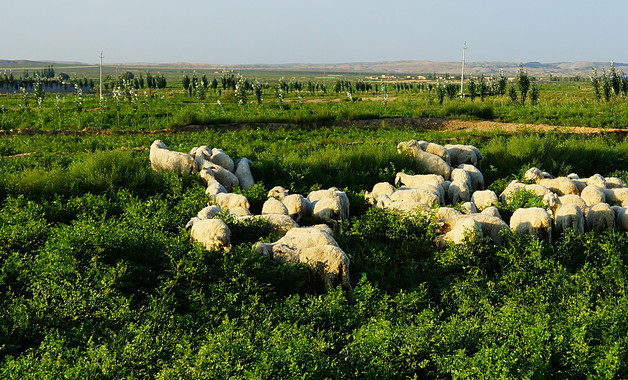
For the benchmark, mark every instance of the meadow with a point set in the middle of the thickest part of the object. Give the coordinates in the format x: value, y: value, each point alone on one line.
x: 98, y: 277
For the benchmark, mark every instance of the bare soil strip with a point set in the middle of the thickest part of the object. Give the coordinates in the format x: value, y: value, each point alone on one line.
x: 417, y: 123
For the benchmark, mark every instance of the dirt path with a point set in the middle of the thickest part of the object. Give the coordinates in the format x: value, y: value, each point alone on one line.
x: 418, y: 123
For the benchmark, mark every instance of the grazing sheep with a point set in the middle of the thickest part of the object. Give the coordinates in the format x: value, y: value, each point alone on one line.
x: 468, y: 208
x: 378, y: 189
x: 400, y: 206
x: 220, y: 158
x: 297, y: 204
x: 162, y: 159
x: 621, y: 218
x: 330, y: 260
x: 491, y: 226
x: 326, y: 210
x: 477, y: 178
x: 274, y: 206
x: 532, y: 221
x: 560, y: 185
x: 484, y: 198
x: 464, y: 154
x: 492, y: 211
x: 571, y: 199
x: 279, y: 224
x: 239, y: 211
x: 593, y: 195
x: 616, y: 196
x: 435, y: 189
x: 332, y: 193
x: 224, y: 176
x: 436, y: 149
x: 303, y: 237
x: 466, y: 229
x: 446, y: 212
x: 243, y: 173
x: 213, y: 186
x: 229, y: 200
x: 410, y: 194
x: 428, y: 162
x: 614, y: 183
x: 565, y: 215
x: 461, y: 175
x: 514, y: 186
x: 458, y: 192
x: 213, y: 234
x: 208, y: 212
x: 201, y: 156
x: 600, y: 217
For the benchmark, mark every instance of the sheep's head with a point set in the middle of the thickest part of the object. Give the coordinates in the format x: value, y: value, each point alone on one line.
x: 399, y: 177
x: 405, y: 146
x: 277, y: 192
x: 383, y: 201
x: 191, y: 222
x: 551, y: 199
x: 532, y: 174
x: 158, y: 144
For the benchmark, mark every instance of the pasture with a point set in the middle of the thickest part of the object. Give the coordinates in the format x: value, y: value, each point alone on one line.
x: 99, y: 279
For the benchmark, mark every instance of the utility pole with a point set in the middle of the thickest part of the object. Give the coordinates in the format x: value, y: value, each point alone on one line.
x: 101, y: 57
x: 464, y: 49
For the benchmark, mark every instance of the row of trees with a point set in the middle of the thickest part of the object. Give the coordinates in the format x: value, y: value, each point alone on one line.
x: 140, y: 82
x: 611, y: 85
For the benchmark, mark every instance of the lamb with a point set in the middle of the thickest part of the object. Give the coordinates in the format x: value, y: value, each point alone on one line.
x: 213, y: 234
x: 201, y: 156
x: 327, y: 210
x: 477, y: 178
x: 410, y: 194
x: 573, y: 199
x: 162, y: 159
x: 419, y: 179
x: 243, y: 173
x: 458, y: 192
x: 492, y: 211
x: 491, y: 226
x: 600, y: 217
x: 484, y: 198
x: 436, y: 149
x: 565, y: 215
x: 464, y: 154
x: 428, y: 162
x: 468, y: 208
x: 593, y: 195
x: 224, y: 176
x: 229, y: 200
x: 461, y: 175
x: 614, y: 183
x: 220, y: 158
x: 296, y: 204
x: 332, y: 261
x: 466, y: 229
x: 378, y: 189
x: 333, y: 193
x: 532, y: 221
x: 616, y: 195
x: 560, y: 185
x: 303, y: 237
x: 208, y: 212
x: 213, y: 186
x: 274, y: 206
x: 621, y: 217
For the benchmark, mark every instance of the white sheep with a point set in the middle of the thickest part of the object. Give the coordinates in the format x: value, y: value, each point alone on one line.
x: 573, y: 199
x: 401, y: 206
x: 593, y: 195
x: 274, y: 206
x: 228, y: 200
x: 465, y: 230
x: 332, y: 261
x: 559, y: 185
x: 460, y: 175
x: 565, y: 215
x: 213, y: 234
x: 446, y: 212
x: 464, y: 154
x: 326, y: 210
x: 379, y: 188
x: 297, y: 204
x: 477, y: 178
x: 515, y: 186
x: 468, y: 208
x: 332, y: 193
x: 490, y: 225
x: 239, y: 211
x: 532, y: 221
x: 600, y: 217
x: 410, y: 194
x: 428, y: 162
x: 418, y: 180
x: 492, y: 211
x: 614, y: 183
x: 484, y: 198
x: 243, y: 173
x: 616, y: 195
x: 433, y: 148
x: 458, y: 192
x: 219, y: 157
x: 201, y: 156
x: 162, y: 159
x: 621, y: 218
x: 279, y: 224
x: 208, y: 212
x: 224, y: 176
x: 213, y: 186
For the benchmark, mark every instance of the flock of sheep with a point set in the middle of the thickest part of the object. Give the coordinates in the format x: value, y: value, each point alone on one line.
x: 455, y: 179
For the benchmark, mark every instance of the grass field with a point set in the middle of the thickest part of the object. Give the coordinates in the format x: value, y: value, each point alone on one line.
x: 98, y: 277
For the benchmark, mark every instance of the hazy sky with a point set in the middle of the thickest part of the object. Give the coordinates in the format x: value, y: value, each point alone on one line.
x: 315, y: 31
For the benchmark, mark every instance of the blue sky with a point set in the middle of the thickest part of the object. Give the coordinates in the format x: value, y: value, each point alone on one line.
x: 316, y: 31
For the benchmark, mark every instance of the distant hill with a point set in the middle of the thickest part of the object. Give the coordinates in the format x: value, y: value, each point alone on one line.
x: 386, y: 67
